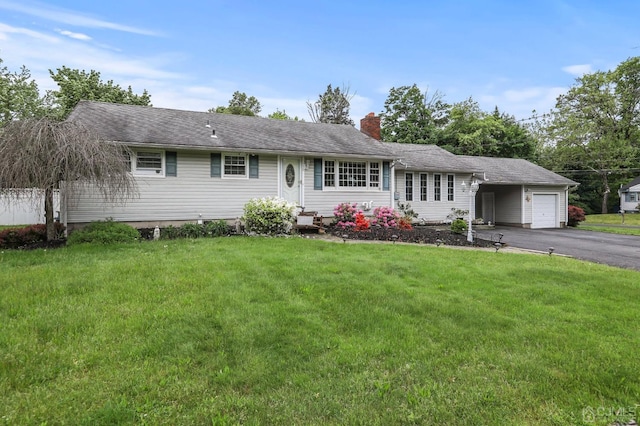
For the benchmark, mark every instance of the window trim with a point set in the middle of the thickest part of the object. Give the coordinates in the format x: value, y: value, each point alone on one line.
x: 424, y: 186
x: 331, y: 174
x: 409, y: 177
x: 437, y: 191
x: 223, y: 165
x: 451, y: 187
x: 144, y: 171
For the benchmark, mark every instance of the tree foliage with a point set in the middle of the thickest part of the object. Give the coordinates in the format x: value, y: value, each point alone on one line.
x: 332, y: 106
x: 595, y: 127
x: 19, y: 95
x: 75, y: 85
x: 42, y: 153
x: 282, y: 115
x: 471, y: 131
x: 412, y: 116
x: 240, y: 104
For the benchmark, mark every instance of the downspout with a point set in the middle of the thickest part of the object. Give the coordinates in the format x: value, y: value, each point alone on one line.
x: 523, y: 204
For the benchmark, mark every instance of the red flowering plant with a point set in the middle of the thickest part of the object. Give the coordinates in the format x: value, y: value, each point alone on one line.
x: 386, y: 217
x: 576, y: 215
x: 345, y: 215
x: 362, y: 223
x: 405, y: 223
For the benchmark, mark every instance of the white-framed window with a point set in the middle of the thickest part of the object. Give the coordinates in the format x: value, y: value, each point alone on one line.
x: 423, y: 186
x: 148, y: 163
x: 451, y: 184
x: 374, y: 175
x: 352, y: 174
x: 234, y: 165
x: 408, y: 186
x: 631, y: 197
x: 329, y: 173
x: 437, y: 187
x: 339, y: 174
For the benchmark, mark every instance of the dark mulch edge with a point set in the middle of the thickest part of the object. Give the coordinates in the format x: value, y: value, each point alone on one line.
x: 417, y: 235
x: 53, y: 244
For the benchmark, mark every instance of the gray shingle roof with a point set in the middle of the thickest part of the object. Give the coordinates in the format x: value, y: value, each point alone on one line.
x: 515, y: 171
x: 171, y: 128
x: 133, y: 124
x: 634, y: 182
x: 431, y: 158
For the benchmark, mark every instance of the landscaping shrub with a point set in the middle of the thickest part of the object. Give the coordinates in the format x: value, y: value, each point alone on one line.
x: 217, y: 228
x: 192, y: 230
x: 104, y: 232
x: 362, y: 223
x: 269, y: 216
x: 12, y: 238
x: 575, y: 215
x: 344, y: 215
x: 385, y: 217
x: 459, y: 226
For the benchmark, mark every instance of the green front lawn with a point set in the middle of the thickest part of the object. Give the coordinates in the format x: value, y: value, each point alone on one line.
x: 631, y: 219
x: 296, y: 331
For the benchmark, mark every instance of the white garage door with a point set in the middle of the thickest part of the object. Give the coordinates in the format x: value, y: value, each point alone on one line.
x: 545, y: 211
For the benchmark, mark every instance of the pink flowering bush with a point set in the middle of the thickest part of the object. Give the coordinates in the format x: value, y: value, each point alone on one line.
x: 385, y: 217
x: 345, y: 215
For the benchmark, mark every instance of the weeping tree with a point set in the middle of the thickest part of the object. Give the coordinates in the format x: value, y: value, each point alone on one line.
x: 43, y: 154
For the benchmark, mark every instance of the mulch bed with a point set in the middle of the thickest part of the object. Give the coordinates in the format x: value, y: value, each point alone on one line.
x: 417, y: 235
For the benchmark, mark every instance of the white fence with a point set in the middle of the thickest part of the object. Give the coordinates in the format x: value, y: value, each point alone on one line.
x: 28, y: 209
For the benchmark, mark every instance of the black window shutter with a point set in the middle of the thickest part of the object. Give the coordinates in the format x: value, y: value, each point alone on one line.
x: 216, y: 165
x: 317, y: 173
x: 385, y: 176
x: 171, y: 163
x: 253, y: 166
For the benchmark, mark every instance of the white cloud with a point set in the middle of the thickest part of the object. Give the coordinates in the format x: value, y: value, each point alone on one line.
x: 69, y: 17
x: 578, y: 70
x: 76, y: 36
x: 520, y: 102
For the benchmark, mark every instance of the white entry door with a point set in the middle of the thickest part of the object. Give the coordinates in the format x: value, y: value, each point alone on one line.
x: 488, y: 207
x: 545, y: 207
x: 290, y: 179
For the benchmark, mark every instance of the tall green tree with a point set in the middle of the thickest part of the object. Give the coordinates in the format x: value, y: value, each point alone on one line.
x: 240, y: 104
x: 75, y: 85
x: 595, y: 126
x: 332, y: 106
x: 471, y: 131
x: 19, y: 95
x: 413, y: 116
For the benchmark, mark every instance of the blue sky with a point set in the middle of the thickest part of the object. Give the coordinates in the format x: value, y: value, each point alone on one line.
x: 517, y: 55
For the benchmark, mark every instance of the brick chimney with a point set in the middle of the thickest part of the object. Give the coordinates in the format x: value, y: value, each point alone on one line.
x: 370, y: 126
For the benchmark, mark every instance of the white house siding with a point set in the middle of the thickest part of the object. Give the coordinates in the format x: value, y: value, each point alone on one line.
x: 26, y: 210
x: 507, y: 201
x: 630, y: 206
x: 430, y: 210
x: 561, y: 204
x: 193, y: 194
x: 324, y: 201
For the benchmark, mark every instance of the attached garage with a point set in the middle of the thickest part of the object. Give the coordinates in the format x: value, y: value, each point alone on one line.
x: 525, y: 194
x: 545, y: 211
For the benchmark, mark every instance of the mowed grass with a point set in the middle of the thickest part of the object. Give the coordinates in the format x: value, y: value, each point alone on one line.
x: 600, y: 222
x: 296, y: 331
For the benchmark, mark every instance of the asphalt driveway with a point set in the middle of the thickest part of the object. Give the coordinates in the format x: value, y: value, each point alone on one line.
x: 610, y: 249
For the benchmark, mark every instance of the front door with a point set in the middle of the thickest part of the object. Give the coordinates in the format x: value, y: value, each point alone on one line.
x: 488, y: 207
x: 290, y: 180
